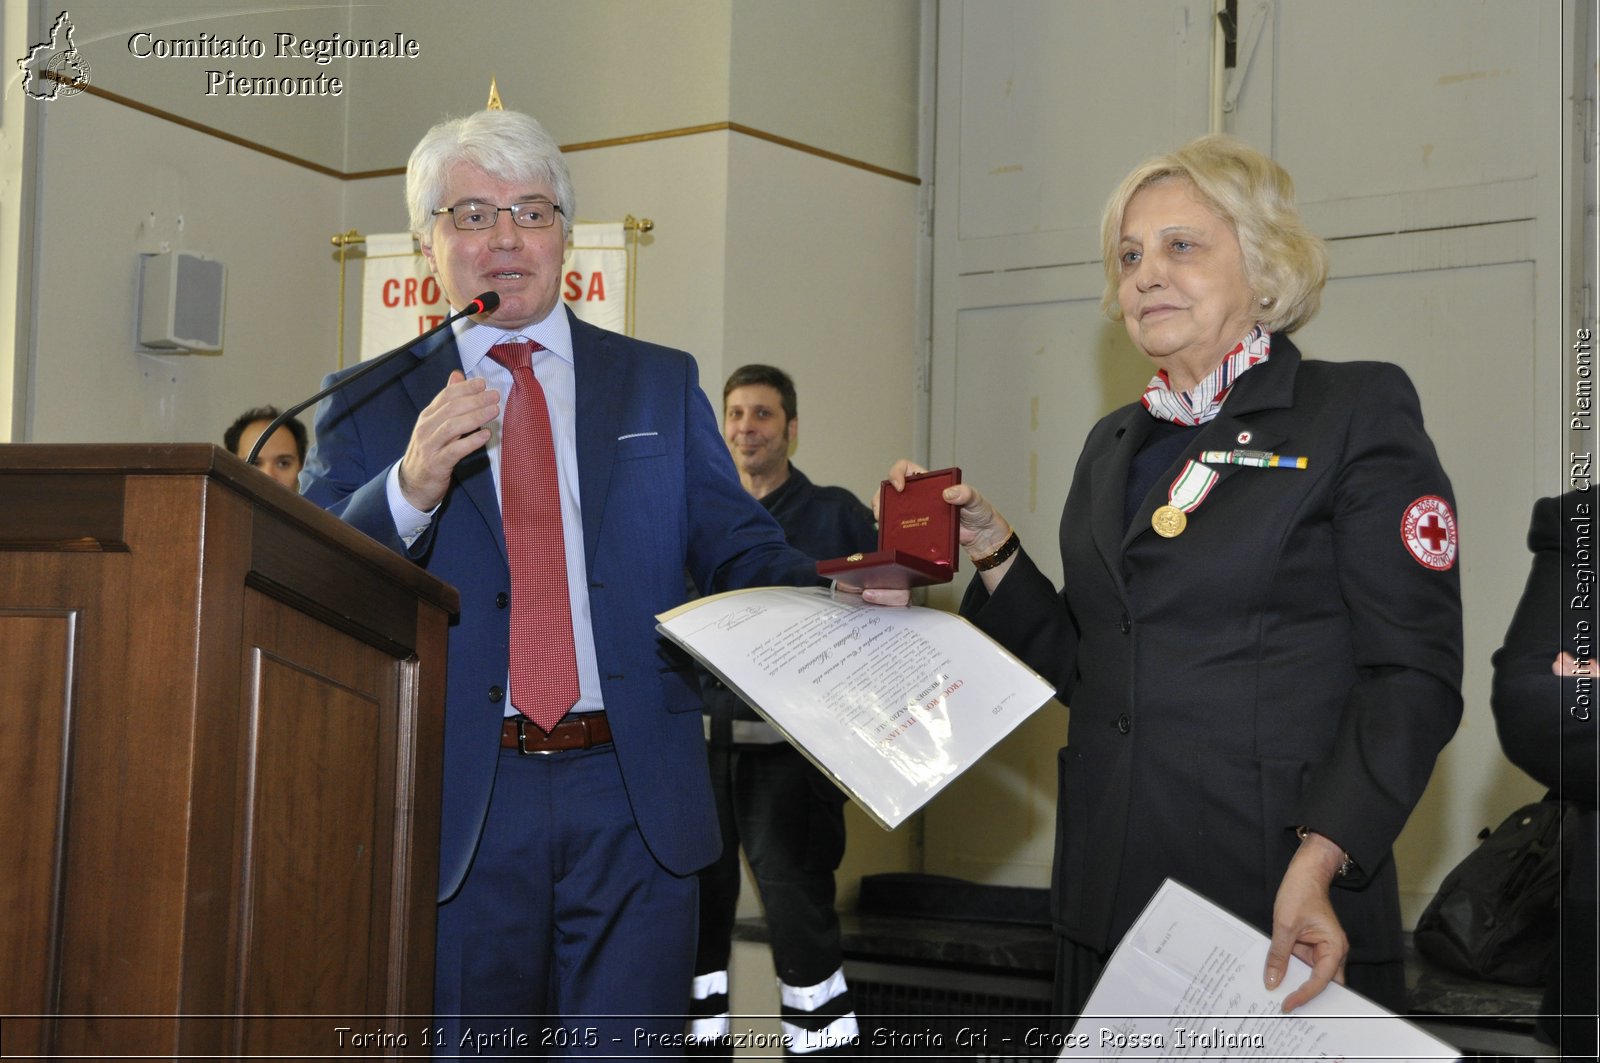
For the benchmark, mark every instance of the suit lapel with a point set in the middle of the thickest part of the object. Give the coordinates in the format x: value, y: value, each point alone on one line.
x: 1266, y: 387
x: 437, y: 358
x: 600, y: 373
x: 1109, y: 486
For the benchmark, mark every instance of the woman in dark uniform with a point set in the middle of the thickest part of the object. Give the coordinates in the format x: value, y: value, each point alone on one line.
x: 1259, y: 632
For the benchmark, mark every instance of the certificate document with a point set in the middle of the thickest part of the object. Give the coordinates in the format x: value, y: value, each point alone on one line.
x: 1185, y: 983
x: 891, y: 704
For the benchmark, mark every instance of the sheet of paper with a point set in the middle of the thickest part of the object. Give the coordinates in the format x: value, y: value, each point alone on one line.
x: 1185, y: 983
x: 890, y: 703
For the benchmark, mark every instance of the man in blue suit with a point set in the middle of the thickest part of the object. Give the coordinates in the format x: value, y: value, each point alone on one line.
x: 567, y: 886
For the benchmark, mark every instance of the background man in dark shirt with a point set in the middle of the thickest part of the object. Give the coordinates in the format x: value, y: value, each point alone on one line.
x: 787, y: 816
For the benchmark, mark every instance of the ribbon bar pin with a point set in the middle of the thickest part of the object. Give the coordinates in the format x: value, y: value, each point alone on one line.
x: 1260, y: 459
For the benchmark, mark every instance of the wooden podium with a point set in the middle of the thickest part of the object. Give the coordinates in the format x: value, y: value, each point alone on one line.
x: 221, y: 712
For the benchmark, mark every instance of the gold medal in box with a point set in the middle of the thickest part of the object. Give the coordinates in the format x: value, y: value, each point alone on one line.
x: 917, y: 537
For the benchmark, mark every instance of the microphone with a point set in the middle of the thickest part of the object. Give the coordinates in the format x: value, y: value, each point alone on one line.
x: 483, y: 304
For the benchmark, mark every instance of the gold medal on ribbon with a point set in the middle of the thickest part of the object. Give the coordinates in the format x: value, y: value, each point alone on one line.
x: 1169, y: 522
x: 1194, y: 482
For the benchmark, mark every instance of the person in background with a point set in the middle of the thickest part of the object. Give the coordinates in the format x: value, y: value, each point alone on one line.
x: 1259, y: 628
x: 786, y: 815
x: 1544, y: 711
x: 563, y: 479
x: 282, y: 456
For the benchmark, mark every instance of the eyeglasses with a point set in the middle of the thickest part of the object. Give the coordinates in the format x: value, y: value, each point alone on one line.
x: 535, y: 214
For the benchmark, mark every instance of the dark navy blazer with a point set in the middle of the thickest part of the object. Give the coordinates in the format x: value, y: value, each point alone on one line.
x: 660, y: 497
x: 1286, y: 660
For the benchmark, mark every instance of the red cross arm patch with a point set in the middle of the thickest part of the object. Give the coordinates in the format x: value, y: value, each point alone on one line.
x: 1429, y: 531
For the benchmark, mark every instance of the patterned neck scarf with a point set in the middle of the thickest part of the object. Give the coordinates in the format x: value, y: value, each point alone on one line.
x: 1205, y: 401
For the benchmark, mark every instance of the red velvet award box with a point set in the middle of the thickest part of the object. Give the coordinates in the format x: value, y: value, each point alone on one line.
x: 916, y: 537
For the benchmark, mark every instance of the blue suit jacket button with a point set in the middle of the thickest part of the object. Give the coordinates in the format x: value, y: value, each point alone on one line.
x: 496, y: 695
x: 502, y: 600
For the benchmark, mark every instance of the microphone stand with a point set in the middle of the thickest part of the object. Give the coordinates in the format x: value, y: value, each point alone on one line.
x: 483, y: 304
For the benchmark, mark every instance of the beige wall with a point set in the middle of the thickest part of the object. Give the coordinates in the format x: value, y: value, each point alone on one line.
x: 835, y: 74
x: 98, y: 209
x: 590, y: 71
x: 310, y: 127
x: 852, y: 363
x: 15, y: 286
x: 814, y: 240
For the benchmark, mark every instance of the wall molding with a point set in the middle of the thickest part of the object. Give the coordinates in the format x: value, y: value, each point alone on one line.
x: 587, y: 145
x: 749, y: 131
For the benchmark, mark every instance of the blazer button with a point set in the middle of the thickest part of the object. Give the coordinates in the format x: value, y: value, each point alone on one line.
x: 1125, y: 624
x: 502, y: 600
x: 1124, y: 725
x: 496, y: 695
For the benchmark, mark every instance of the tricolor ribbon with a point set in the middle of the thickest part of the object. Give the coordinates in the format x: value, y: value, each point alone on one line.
x: 1192, y: 485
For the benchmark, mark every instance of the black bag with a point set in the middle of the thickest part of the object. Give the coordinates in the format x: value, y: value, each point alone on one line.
x: 1497, y: 913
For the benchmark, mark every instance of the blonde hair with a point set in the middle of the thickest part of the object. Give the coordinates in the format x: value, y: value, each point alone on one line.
x: 1283, y: 261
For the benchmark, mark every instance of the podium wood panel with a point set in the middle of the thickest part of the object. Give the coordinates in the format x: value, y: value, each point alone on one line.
x: 220, y: 725
x: 33, y: 764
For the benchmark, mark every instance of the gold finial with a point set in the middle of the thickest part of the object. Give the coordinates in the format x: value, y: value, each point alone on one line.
x: 494, y: 97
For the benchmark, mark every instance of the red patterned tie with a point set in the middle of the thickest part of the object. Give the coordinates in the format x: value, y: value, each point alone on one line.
x: 544, y: 666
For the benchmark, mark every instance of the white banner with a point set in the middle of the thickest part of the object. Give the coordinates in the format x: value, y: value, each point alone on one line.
x: 401, y: 300
x: 594, y: 281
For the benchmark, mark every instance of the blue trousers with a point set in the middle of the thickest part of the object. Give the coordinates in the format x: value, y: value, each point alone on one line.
x: 567, y: 939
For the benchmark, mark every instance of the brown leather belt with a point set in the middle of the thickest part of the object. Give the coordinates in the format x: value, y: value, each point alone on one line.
x: 580, y: 730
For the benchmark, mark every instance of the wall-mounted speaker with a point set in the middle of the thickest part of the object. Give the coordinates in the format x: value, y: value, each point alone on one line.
x: 181, y: 297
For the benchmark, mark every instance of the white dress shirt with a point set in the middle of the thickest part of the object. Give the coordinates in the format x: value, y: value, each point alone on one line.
x: 554, y: 369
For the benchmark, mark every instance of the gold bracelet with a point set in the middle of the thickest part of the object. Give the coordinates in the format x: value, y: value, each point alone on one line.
x: 1345, y: 865
x: 1001, y: 554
